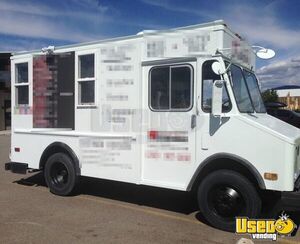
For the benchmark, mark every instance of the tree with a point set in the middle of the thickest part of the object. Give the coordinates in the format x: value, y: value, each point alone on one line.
x: 270, y: 96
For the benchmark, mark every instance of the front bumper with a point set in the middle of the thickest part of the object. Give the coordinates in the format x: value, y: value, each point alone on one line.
x: 19, y: 168
x: 290, y: 201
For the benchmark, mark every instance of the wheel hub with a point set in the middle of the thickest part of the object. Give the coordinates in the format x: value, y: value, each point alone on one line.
x: 226, y: 201
x: 59, y: 174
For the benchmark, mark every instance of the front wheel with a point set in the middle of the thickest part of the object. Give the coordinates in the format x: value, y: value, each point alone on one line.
x: 224, y: 195
x: 60, y: 174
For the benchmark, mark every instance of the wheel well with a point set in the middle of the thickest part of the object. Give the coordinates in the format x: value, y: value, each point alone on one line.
x: 58, y: 147
x: 229, y: 163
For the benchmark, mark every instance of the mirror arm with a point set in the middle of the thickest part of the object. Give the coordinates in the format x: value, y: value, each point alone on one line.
x: 225, y: 71
x: 262, y: 48
x: 230, y: 63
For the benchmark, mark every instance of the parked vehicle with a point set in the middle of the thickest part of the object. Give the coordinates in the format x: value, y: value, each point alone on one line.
x: 276, y: 109
x: 179, y: 109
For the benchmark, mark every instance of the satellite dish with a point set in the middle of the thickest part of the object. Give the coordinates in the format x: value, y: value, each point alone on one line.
x: 217, y: 68
x: 265, y: 53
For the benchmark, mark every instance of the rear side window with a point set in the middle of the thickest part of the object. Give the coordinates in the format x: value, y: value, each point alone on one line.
x: 22, y: 84
x: 86, y: 79
x: 171, y: 88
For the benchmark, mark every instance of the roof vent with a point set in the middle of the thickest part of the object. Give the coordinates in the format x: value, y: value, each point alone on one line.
x: 145, y: 32
x: 48, y: 50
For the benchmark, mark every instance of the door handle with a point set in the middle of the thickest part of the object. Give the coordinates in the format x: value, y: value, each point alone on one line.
x: 193, y: 121
x: 66, y: 94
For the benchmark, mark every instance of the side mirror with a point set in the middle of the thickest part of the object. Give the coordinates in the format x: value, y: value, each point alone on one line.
x: 263, y: 53
x: 217, y: 95
x: 217, y: 68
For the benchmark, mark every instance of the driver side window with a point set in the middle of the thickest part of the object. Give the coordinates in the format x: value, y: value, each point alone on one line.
x: 208, y: 78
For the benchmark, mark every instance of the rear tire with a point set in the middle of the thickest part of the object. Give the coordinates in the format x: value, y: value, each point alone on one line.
x: 60, y: 174
x: 224, y: 195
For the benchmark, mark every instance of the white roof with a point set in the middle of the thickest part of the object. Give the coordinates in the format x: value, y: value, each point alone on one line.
x: 138, y: 35
x: 202, y: 40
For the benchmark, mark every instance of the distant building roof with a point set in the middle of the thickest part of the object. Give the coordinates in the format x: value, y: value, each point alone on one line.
x: 286, y: 87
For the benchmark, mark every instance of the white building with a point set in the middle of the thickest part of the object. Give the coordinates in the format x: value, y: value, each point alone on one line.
x: 290, y: 95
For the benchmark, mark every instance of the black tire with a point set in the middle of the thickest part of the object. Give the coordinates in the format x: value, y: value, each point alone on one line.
x: 225, y: 194
x: 60, y: 174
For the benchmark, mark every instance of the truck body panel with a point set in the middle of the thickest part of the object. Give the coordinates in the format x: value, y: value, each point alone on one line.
x: 127, y: 134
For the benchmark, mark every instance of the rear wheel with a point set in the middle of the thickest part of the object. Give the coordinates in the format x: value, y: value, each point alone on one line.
x: 224, y: 195
x: 60, y: 174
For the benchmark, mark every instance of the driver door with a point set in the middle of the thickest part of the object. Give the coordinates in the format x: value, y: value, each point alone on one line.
x: 170, y: 113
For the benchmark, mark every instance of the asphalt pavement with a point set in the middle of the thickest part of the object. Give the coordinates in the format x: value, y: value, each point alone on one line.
x: 102, y: 212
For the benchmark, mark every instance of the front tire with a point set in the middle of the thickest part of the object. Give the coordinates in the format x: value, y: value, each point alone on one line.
x: 60, y: 174
x: 224, y: 195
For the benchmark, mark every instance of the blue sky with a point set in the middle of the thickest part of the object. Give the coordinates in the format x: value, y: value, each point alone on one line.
x: 33, y: 24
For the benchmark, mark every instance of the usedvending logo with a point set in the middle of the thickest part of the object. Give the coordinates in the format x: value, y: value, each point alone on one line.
x: 265, y: 229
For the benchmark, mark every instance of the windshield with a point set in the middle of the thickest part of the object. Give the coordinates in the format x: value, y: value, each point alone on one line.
x: 255, y: 95
x: 246, y: 90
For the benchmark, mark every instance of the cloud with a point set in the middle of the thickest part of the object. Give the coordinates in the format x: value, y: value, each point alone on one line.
x: 78, y: 22
x: 60, y: 22
x: 33, y: 24
x: 262, y: 26
x: 171, y: 6
x: 39, y: 28
x: 257, y: 22
x: 85, y: 9
x: 285, y: 72
x: 20, y: 44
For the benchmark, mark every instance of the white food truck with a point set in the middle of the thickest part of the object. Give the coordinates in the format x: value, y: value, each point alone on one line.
x: 178, y: 109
